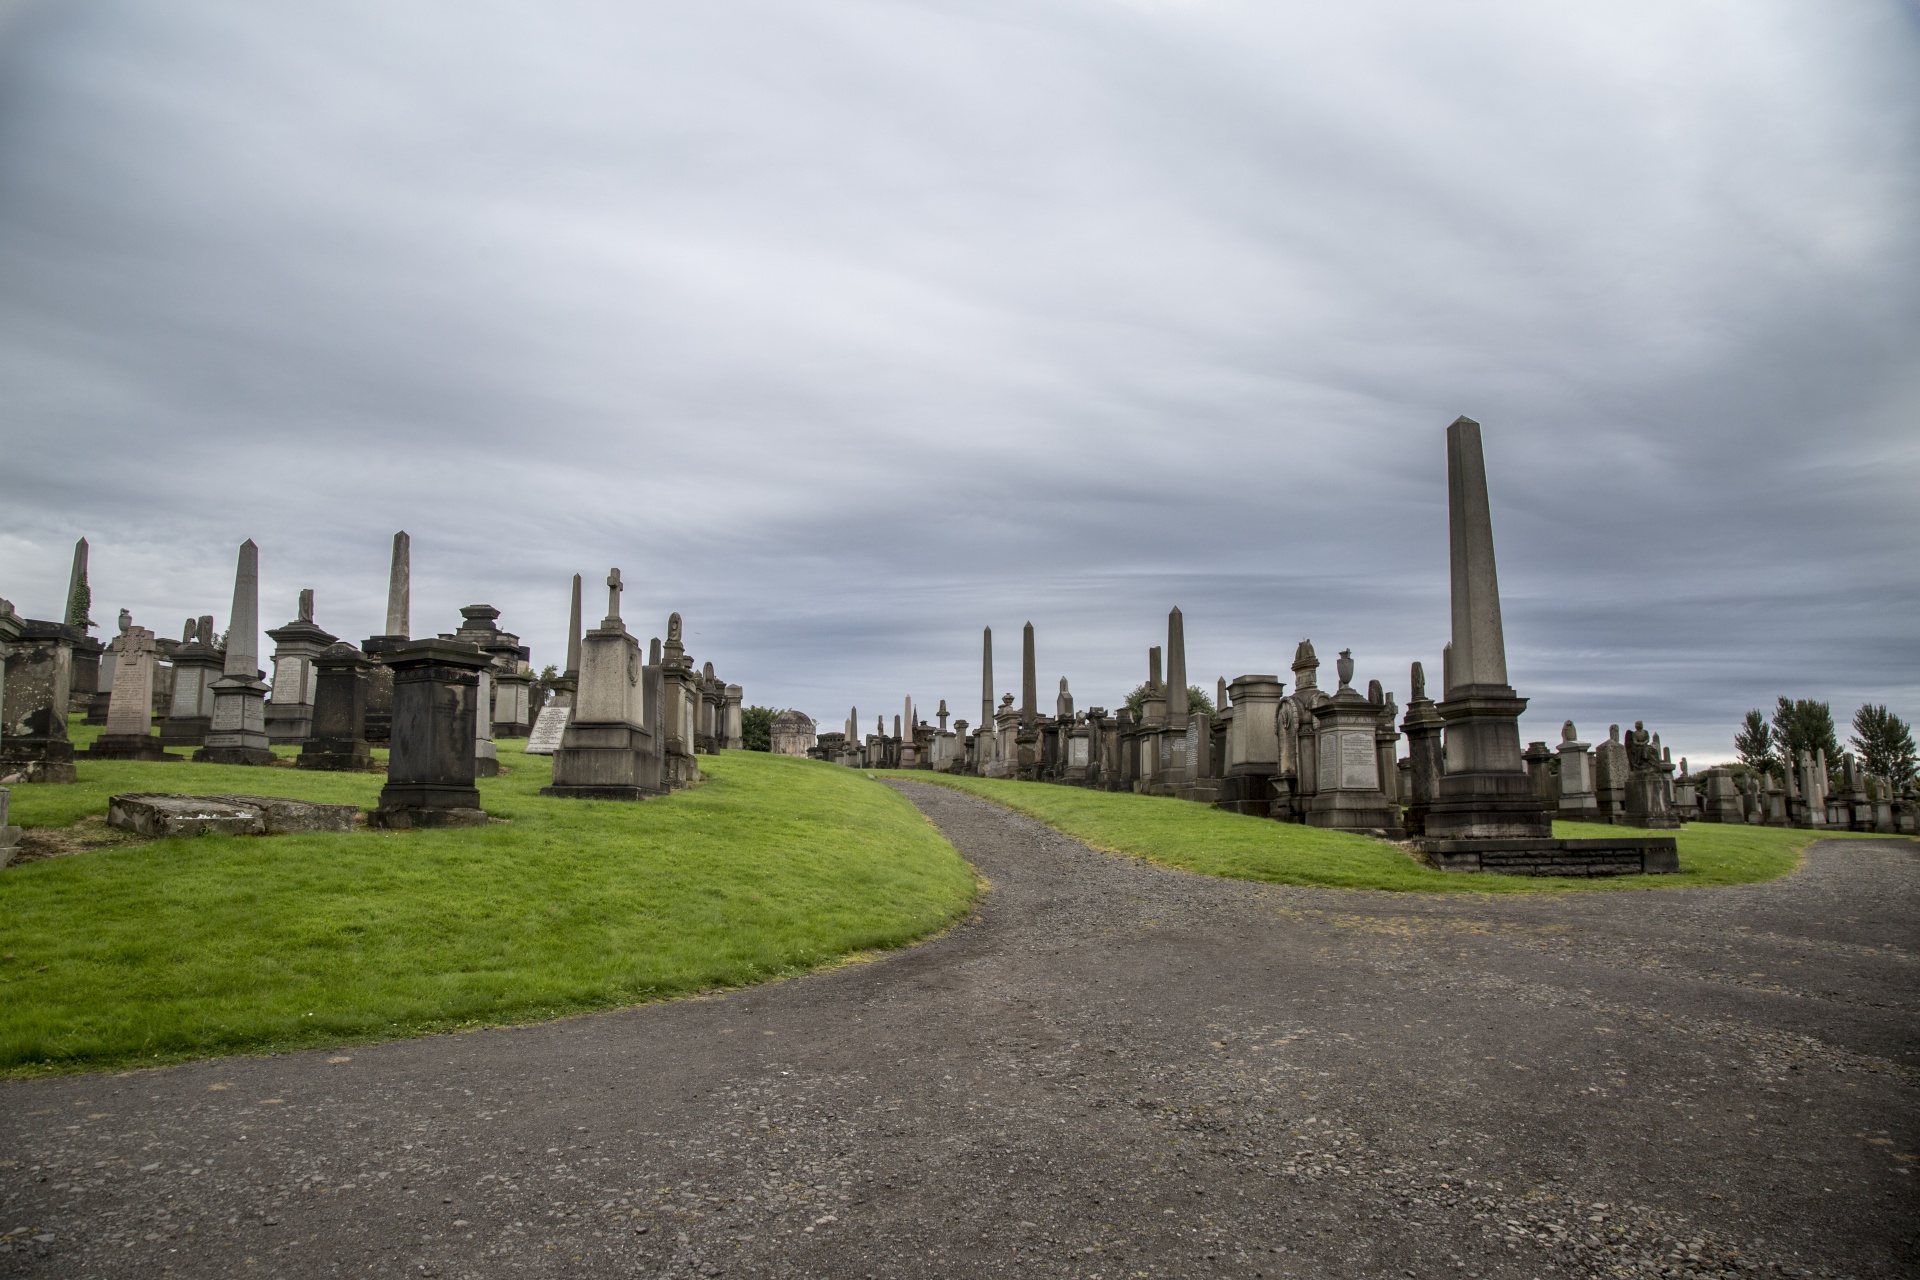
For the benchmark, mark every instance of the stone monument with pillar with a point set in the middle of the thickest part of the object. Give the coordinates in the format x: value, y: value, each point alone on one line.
x: 609, y: 750
x: 238, y: 732
x: 1485, y: 792
x: 295, y: 645
x: 196, y: 665
x: 399, y: 624
x: 436, y: 688
x: 339, y: 737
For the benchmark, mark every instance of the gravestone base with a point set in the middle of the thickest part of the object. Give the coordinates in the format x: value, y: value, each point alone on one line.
x: 97, y: 707
x: 1608, y: 856
x: 129, y: 746
x: 1647, y: 804
x: 52, y: 763
x: 486, y: 766
x: 1248, y: 793
x: 185, y: 731
x: 233, y: 754
x: 404, y: 817
x: 1350, y: 811
x: 289, y: 725
x: 339, y: 755
x: 605, y: 762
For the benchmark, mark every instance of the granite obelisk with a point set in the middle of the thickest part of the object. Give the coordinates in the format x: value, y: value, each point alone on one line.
x: 379, y: 722
x: 400, y: 587
x: 1485, y: 792
x: 986, y: 678
x: 238, y: 734
x: 1029, y: 687
x: 1176, y: 672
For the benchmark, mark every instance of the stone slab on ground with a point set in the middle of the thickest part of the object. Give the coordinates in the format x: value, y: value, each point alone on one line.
x: 159, y: 814
x: 1111, y: 1069
x: 1605, y: 856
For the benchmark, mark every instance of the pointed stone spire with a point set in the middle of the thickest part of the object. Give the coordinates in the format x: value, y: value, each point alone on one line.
x: 1220, y: 694
x: 986, y: 676
x: 1176, y: 672
x: 400, y: 587
x: 243, y: 624
x: 1479, y: 645
x: 79, y: 594
x: 573, y: 633
x: 1029, y: 685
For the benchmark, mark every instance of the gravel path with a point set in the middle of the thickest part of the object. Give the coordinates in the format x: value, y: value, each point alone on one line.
x: 1112, y: 1070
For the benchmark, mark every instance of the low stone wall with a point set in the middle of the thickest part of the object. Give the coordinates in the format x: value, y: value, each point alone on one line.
x: 1627, y: 856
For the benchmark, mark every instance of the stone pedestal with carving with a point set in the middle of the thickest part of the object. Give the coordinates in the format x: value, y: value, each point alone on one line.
x: 33, y: 704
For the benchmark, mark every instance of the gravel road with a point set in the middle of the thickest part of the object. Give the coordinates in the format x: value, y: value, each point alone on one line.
x: 1112, y: 1070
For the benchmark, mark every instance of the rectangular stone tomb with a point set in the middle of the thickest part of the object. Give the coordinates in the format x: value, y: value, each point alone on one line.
x: 1609, y: 856
x: 157, y: 814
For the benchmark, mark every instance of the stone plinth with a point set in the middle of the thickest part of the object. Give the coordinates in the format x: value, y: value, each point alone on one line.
x: 33, y: 734
x: 339, y: 738
x: 1723, y: 801
x: 1485, y: 793
x: 196, y: 665
x: 295, y: 682
x: 609, y: 750
x: 1576, y: 801
x: 1253, y: 745
x: 238, y: 734
x: 1348, y: 795
x: 1426, y: 759
x: 380, y: 686
x: 430, y: 767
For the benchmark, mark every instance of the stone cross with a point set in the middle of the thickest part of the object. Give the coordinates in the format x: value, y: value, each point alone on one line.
x: 614, y: 588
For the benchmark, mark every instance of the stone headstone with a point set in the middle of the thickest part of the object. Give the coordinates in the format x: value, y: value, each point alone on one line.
x: 547, y: 731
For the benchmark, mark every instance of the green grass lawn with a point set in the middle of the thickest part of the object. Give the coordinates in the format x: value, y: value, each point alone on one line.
x: 1197, y: 837
x: 192, y: 947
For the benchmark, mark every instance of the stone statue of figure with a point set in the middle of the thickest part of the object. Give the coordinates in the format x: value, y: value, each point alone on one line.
x: 1420, y: 686
x: 126, y: 620
x: 707, y: 671
x: 1568, y: 733
x: 1641, y: 753
x: 206, y: 628
x: 1375, y: 694
x: 1289, y: 722
x: 192, y: 629
x: 306, y: 605
x: 673, y: 628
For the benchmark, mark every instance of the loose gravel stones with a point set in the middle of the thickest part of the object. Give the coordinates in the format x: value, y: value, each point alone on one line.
x: 1111, y: 1070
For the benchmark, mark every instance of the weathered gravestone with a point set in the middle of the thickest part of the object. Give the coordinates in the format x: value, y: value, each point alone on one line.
x: 339, y: 737
x: 129, y: 732
x: 295, y: 682
x: 238, y: 734
x: 609, y: 750
x: 196, y: 665
x: 430, y: 767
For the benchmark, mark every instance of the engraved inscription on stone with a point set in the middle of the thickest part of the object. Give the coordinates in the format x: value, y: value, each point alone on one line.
x: 1357, y: 761
x: 1076, y: 752
x: 545, y: 738
x: 1329, y: 759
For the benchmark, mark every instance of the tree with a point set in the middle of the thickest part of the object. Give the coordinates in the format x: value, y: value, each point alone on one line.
x: 756, y: 728
x: 1754, y: 742
x: 548, y: 674
x: 1197, y: 700
x: 81, y: 606
x: 1885, y: 744
x: 1804, y: 725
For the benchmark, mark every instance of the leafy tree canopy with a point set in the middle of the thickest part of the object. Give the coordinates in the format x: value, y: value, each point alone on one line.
x: 1754, y: 742
x: 756, y: 728
x: 1197, y: 700
x: 1805, y: 725
x: 1884, y: 743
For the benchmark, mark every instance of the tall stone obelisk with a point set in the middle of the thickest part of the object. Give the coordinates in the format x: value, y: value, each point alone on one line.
x: 1176, y: 672
x: 1485, y: 792
x: 238, y: 734
x: 1029, y: 686
x: 400, y: 587
x: 986, y: 678
x: 399, y: 608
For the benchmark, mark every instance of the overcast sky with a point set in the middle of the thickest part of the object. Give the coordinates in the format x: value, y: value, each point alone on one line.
x: 848, y: 328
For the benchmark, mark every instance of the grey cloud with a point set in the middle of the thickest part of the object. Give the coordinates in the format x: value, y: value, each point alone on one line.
x: 849, y: 328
